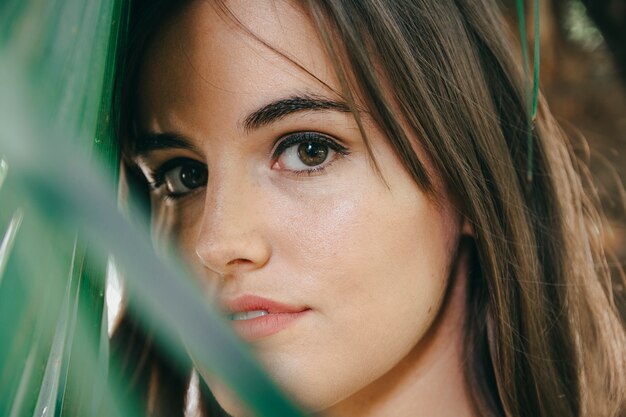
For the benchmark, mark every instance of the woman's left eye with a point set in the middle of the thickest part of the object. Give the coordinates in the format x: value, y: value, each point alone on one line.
x: 306, y: 152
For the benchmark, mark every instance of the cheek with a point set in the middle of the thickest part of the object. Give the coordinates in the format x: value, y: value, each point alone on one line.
x: 175, y: 228
x: 373, y: 264
x: 359, y: 240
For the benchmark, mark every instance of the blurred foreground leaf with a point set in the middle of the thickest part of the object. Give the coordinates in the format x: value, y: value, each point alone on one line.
x: 60, y: 222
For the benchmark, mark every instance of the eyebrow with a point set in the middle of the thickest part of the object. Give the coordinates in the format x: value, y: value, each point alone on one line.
x: 276, y: 110
x: 281, y: 108
x: 148, y: 142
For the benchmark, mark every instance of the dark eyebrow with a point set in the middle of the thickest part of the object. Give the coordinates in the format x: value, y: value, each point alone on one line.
x: 280, y: 108
x: 148, y: 142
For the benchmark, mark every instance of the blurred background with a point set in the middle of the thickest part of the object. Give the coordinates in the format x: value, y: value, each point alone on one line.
x: 583, y: 76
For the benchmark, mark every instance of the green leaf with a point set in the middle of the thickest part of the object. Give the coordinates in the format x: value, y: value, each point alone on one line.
x: 4, y: 169
x: 56, y: 367
x: 8, y: 240
x: 532, y: 93
x: 57, y: 61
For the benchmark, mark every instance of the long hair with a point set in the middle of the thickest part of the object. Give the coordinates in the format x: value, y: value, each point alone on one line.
x: 544, y: 336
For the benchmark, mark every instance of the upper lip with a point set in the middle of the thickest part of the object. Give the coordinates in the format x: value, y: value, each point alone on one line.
x: 250, y: 302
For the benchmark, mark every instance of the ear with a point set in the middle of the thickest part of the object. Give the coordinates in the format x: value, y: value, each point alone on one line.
x: 467, y: 229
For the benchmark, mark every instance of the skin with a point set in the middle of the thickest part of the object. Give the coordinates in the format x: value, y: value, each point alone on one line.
x: 381, y: 264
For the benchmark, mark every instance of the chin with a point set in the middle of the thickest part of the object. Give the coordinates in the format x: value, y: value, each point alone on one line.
x: 309, y: 400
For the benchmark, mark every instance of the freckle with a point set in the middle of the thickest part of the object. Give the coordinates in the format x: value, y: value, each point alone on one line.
x: 430, y: 309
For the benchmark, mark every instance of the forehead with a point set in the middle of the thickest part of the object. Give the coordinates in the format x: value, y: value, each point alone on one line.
x: 238, y: 57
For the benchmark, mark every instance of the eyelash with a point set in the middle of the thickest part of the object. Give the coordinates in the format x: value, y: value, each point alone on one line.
x: 292, y: 139
x: 156, y: 177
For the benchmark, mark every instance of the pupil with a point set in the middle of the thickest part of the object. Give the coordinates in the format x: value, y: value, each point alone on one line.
x: 312, y: 154
x: 193, y: 176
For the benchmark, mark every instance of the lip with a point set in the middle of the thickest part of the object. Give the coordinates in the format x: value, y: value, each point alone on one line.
x: 279, y: 317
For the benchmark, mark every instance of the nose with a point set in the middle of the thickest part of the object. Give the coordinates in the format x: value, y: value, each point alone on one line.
x: 231, y: 236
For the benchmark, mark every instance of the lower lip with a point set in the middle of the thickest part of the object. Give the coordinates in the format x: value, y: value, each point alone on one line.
x: 260, y: 327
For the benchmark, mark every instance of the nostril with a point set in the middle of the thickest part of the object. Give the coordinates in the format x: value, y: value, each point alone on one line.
x: 239, y: 261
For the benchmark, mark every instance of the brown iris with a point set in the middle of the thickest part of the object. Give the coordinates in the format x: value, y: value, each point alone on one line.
x: 312, y: 153
x: 193, y: 175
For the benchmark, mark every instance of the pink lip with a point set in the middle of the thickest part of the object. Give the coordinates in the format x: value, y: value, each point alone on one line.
x: 280, y: 316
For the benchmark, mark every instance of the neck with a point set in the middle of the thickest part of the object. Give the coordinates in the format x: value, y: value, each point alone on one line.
x: 430, y: 380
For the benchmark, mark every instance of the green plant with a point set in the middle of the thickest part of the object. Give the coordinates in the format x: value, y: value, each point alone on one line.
x: 59, y: 223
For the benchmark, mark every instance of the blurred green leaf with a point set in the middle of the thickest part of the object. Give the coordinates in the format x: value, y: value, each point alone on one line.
x: 4, y: 168
x: 57, y: 61
x: 8, y: 240
x: 56, y: 366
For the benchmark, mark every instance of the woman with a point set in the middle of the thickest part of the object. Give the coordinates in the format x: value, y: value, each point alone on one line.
x: 351, y: 182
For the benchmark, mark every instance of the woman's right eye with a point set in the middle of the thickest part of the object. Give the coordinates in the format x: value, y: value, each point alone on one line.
x: 180, y: 177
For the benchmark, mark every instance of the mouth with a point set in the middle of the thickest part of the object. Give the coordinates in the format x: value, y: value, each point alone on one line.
x: 254, y: 317
x: 248, y: 315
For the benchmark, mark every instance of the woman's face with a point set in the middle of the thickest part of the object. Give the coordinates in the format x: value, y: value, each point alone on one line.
x: 263, y: 180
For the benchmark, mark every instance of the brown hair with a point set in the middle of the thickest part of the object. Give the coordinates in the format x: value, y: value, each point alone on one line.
x: 544, y: 333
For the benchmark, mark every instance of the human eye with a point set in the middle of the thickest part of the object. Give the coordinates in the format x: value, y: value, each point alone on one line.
x: 179, y: 177
x: 306, y: 152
